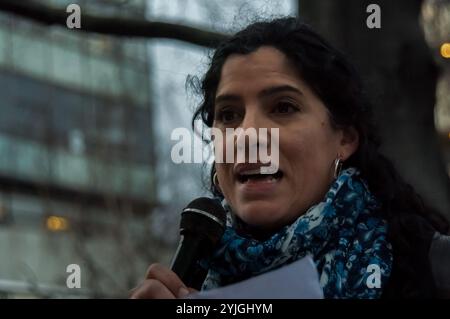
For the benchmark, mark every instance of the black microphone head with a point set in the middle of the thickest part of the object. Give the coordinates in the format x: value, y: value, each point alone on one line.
x: 208, y: 205
x: 204, y: 217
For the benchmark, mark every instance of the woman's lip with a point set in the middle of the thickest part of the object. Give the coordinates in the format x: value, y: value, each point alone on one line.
x: 242, y: 167
x: 258, y: 187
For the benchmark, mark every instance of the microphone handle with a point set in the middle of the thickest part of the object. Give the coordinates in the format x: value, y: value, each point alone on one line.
x: 190, y: 250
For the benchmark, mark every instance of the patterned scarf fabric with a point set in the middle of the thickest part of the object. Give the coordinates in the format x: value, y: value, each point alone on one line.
x: 343, y: 234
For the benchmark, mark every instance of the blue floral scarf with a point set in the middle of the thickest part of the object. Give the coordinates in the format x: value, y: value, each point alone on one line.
x: 343, y: 234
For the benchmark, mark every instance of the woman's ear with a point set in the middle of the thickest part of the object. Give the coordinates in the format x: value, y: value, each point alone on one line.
x: 349, y: 142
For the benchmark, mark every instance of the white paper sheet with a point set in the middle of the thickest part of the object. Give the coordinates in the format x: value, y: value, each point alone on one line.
x: 298, y: 280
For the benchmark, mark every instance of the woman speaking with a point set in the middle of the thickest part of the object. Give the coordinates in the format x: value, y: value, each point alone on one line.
x: 334, y: 196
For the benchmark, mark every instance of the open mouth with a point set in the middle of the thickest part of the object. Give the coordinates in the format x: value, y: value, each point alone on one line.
x: 255, y: 175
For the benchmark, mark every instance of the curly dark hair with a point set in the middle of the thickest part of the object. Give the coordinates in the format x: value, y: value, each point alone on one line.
x: 336, y: 82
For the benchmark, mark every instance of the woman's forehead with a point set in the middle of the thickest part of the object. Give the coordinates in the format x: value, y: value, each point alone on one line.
x: 264, y: 67
x: 263, y: 59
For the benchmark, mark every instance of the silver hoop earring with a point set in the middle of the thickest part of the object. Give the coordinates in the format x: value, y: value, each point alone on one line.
x: 337, y: 167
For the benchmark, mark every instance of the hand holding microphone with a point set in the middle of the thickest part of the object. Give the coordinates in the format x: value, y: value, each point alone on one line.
x: 202, y: 226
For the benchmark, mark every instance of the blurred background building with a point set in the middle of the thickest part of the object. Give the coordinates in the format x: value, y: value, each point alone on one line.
x: 85, y: 123
x: 76, y: 145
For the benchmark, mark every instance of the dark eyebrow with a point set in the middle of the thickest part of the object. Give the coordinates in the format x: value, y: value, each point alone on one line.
x: 227, y: 98
x: 263, y: 93
x: 279, y: 89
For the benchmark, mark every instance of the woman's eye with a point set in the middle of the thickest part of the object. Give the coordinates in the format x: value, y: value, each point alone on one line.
x: 227, y: 116
x: 285, y: 108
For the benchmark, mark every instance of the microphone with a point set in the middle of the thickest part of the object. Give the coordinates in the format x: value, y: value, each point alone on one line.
x: 201, y: 228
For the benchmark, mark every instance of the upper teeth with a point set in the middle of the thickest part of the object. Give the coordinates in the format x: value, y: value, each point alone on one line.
x: 251, y: 172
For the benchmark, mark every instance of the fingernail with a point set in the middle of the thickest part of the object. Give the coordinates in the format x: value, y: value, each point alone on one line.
x: 183, y: 292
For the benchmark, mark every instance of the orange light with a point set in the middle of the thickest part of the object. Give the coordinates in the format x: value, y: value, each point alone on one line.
x: 57, y: 223
x: 445, y: 50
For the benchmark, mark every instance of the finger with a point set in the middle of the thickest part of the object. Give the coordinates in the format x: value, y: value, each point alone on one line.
x: 168, y: 278
x: 131, y: 291
x: 152, y: 289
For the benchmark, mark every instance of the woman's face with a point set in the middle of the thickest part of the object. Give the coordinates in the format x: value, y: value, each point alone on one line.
x: 263, y: 90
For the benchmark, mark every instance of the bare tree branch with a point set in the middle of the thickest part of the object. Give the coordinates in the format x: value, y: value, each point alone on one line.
x: 114, y: 26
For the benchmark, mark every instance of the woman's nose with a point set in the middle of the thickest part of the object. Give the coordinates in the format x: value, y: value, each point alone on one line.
x: 247, y: 140
x: 253, y: 119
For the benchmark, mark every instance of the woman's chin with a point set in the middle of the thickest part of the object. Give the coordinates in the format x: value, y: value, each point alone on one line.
x: 262, y: 214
